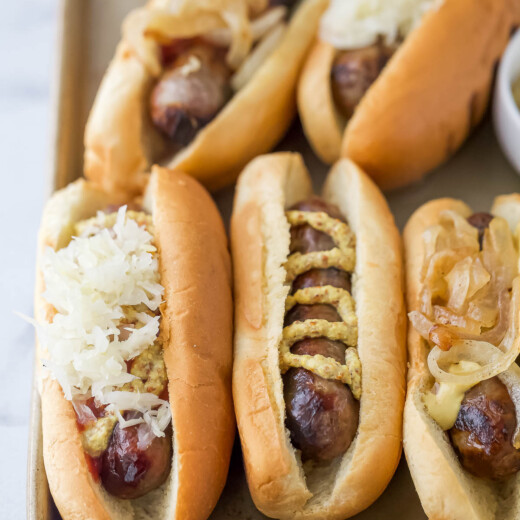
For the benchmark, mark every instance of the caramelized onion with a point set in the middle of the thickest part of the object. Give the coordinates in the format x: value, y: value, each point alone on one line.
x: 499, y: 255
x: 492, y: 359
x: 445, y: 316
x: 421, y: 324
x: 230, y: 20
x: 460, y: 234
x: 257, y: 57
x: 445, y: 336
x: 466, y: 278
x: 262, y: 25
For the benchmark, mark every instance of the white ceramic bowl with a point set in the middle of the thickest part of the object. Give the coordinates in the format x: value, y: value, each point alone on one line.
x: 506, y: 114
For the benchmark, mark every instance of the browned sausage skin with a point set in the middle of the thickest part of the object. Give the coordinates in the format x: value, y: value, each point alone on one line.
x: 191, y: 91
x: 133, y: 467
x: 483, y: 432
x: 481, y: 222
x: 322, y: 415
x: 319, y: 277
x: 285, y: 3
x: 354, y: 71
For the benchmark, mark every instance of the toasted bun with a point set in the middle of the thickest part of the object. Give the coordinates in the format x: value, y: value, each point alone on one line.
x: 425, y: 102
x: 322, y: 123
x: 197, y: 320
x: 446, y: 490
x: 121, y: 143
x: 260, y: 245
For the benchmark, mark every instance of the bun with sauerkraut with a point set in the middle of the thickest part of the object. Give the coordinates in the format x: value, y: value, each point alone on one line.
x: 134, y: 320
x: 397, y: 85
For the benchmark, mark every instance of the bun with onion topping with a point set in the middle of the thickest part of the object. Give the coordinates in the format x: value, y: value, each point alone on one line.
x: 397, y: 85
x: 319, y: 368
x: 462, y: 411
x: 199, y: 86
x: 134, y: 318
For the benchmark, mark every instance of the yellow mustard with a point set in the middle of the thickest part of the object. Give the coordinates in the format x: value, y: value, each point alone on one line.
x: 343, y: 257
x: 443, y: 404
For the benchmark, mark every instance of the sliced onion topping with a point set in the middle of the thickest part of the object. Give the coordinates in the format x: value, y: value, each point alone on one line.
x: 470, y: 302
x: 492, y: 359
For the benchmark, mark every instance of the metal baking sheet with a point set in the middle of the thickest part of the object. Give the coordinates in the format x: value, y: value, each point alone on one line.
x: 89, y: 32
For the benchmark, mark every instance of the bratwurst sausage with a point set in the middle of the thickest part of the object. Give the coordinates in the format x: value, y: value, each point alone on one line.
x: 133, y: 466
x: 319, y: 277
x: 481, y: 222
x: 322, y: 415
x: 483, y: 432
x: 353, y: 71
x: 191, y: 91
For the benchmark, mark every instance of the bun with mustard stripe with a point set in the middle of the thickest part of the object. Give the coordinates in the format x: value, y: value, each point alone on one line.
x: 318, y: 377
x: 462, y: 411
x: 134, y: 316
x: 201, y: 86
x: 398, y: 85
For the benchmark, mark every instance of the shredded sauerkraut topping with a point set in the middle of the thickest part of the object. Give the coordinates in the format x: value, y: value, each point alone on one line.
x: 351, y: 24
x: 104, y: 287
x: 470, y: 300
x: 234, y: 24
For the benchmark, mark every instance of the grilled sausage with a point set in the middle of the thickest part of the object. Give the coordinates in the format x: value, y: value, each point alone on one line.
x: 353, y: 72
x: 481, y: 222
x: 130, y: 468
x: 317, y: 311
x: 320, y: 277
x: 305, y: 239
x: 285, y: 3
x: 483, y: 432
x: 322, y: 415
x: 190, y: 92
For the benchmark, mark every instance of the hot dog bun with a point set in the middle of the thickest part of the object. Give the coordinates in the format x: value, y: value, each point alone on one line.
x: 195, y: 272
x: 424, y: 103
x: 120, y: 142
x: 446, y: 490
x: 260, y: 245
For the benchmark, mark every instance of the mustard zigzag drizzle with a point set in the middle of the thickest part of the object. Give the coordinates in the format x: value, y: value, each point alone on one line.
x: 342, y: 257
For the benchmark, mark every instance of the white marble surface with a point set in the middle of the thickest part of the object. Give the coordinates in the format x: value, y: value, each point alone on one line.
x: 27, y: 37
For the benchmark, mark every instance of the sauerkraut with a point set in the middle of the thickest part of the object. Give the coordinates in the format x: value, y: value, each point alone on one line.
x: 350, y: 24
x: 110, y: 267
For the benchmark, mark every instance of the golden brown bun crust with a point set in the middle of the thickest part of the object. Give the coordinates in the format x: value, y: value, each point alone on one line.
x: 321, y: 122
x: 431, y: 94
x: 446, y: 490
x: 196, y: 275
x: 267, y: 186
x: 425, y: 102
x: 114, y: 155
x: 120, y: 141
x: 195, y: 271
